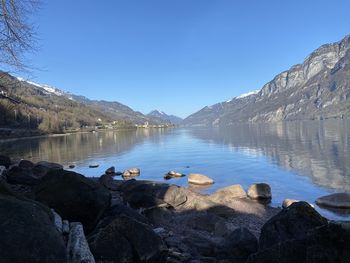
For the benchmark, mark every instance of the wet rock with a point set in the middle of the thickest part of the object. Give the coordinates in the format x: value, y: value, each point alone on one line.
x: 260, y: 191
x: 5, y: 161
x: 94, y: 165
x: 126, y: 173
x: 338, y: 200
x: 40, y: 169
x: 75, y: 197
x: 291, y: 223
x: 110, y: 171
x: 134, y: 171
x: 77, y: 248
x: 173, y: 174
x: 28, y: 233
x: 199, y: 179
x: 25, y: 164
x: 226, y: 194
x: 71, y: 166
x: 18, y: 175
x: 238, y: 245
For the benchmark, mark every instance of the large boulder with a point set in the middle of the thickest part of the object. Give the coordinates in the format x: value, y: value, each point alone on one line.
x: 40, y: 169
x: 127, y: 240
x: 75, y: 197
x: 25, y: 164
x: 239, y: 245
x: 28, y: 233
x: 199, y: 179
x: 19, y: 175
x: 5, y: 161
x: 228, y: 193
x: 291, y: 223
x: 327, y: 243
x: 147, y: 194
x: 260, y: 191
x: 338, y: 200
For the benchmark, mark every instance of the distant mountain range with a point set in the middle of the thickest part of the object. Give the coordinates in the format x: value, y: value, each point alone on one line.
x: 165, y: 117
x: 319, y: 88
x: 26, y: 104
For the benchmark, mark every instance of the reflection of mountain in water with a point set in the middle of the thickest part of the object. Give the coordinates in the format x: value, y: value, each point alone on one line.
x: 319, y: 150
x: 81, y: 146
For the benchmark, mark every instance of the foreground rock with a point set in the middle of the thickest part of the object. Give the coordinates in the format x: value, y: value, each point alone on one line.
x: 291, y: 223
x: 42, y: 168
x: 75, y: 197
x: 77, y: 248
x: 19, y: 175
x: 28, y: 233
x: 127, y: 240
x: 228, y: 193
x: 339, y: 200
x: 199, y: 179
x: 260, y: 191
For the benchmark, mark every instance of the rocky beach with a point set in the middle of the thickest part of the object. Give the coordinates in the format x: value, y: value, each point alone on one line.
x: 49, y: 214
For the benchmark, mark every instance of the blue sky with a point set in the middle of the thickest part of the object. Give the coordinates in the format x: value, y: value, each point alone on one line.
x: 177, y: 55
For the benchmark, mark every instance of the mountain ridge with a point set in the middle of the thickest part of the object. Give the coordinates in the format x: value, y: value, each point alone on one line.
x: 165, y: 117
x: 319, y: 88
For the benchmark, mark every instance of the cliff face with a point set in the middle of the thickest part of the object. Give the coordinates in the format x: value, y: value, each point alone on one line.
x: 317, y: 89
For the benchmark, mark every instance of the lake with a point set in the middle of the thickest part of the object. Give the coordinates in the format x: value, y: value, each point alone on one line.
x: 299, y: 160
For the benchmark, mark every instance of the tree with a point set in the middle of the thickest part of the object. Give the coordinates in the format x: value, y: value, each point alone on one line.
x: 17, y: 34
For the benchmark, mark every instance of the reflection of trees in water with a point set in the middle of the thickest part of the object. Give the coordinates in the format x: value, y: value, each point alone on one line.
x: 77, y: 147
x: 319, y: 150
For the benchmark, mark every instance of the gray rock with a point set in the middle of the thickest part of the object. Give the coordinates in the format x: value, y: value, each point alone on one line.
x: 260, y: 191
x: 291, y: 223
x: 199, y: 179
x: 77, y: 248
x: 338, y: 200
x: 228, y: 193
x: 239, y: 245
x: 40, y: 169
x: 287, y: 202
x: 58, y: 221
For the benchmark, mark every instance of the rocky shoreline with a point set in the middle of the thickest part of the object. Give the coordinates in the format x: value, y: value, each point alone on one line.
x: 48, y: 214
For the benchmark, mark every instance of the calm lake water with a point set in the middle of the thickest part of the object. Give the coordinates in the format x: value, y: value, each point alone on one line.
x: 299, y: 160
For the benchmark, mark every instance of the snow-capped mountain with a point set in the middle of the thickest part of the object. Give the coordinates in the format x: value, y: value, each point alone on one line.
x: 165, y: 117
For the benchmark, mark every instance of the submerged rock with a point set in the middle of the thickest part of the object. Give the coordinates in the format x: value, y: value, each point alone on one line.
x: 338, y: 200
x: 260, y: 191
x: 75, y: 197
x: 199, y: 179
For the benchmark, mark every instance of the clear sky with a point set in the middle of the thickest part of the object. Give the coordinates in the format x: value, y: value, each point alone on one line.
x: 177, y: 55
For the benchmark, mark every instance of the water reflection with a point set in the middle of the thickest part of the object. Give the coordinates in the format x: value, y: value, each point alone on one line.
x: 77, y: 147
x: 318, y: 149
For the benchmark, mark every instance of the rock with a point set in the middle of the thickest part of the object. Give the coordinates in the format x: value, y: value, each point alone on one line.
x: 75, y: 197
x: 205, y: 222
x: 173, y: 174
x: 3, y: 173
x: 260, y: 191
x: 118, y: 240
x: 5, y: 161
x: 58, y: 221
x: 238, y: 245
x: 201, y: 244
x: 126, y: 173
x: 28, y: 233
x: 94, y: 165
x: 146, y: 194
x: 18, y: 175
x: 291, y: 223
x: 77, y: 248
x: 71, y: 166
x: 134, y: 170
x: 338, y: 200
x: 40, y: 169
x: 226, y: 194
x: 199, y: 179
x: 110, y: 171
x: 327, y: 243
x: 287, y: 202
x: 65, y: 227
x: 25, y: 164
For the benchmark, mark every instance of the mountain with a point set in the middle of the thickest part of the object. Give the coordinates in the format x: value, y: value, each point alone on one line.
x: 165, y: 117
x: 319, y: 88
x: 26, y: 104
